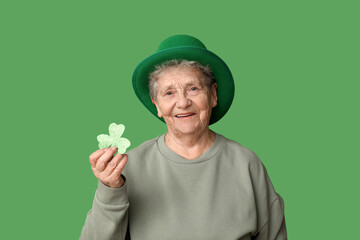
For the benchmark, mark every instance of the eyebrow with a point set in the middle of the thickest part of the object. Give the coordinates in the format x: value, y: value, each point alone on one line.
x: 171, y: 86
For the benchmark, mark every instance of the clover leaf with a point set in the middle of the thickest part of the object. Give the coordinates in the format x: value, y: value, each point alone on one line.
x: 114, y: 139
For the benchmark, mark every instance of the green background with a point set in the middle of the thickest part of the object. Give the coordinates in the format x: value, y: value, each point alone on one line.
x: 66, y: 69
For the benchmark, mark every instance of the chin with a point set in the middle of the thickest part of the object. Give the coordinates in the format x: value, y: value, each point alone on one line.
x: 185, y: 128
x: 186, y: 131
x: 189, y: 130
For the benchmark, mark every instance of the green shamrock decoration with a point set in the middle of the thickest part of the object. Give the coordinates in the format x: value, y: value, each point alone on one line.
x: 114, y: 139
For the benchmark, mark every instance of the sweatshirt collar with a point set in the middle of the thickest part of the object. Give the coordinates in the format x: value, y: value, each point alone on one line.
x: 172, y: 156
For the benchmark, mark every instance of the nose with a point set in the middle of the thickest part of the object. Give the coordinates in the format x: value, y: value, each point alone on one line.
x: 182, y: 101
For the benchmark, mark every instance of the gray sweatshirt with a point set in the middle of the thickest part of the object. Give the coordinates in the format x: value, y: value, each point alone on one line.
x: 223, y: 194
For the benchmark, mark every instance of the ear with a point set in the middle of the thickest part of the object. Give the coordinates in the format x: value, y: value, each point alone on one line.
x: 157, y: 108
x: 214, y: 95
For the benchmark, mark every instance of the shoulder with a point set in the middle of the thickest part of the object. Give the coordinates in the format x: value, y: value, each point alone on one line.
x: 248, y: 162
x: 141, y: 157
x: 239, y: 152
x: 243, y: 158
x: 145, y: 147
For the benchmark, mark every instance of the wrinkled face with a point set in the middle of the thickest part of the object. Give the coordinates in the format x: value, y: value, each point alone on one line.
x: 184, y: 101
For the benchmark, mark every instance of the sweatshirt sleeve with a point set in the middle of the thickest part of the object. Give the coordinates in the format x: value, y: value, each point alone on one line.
x: 108, y: 218
x: 274, y: 228
x: 270, y: 206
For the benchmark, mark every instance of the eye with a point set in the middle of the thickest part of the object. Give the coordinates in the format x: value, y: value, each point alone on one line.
x: 194, y: 89
x: 168, y: 93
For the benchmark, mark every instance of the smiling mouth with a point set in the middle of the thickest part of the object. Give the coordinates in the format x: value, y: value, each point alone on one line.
x: 184, y: 115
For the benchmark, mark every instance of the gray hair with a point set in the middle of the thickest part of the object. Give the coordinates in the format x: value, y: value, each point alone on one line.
x: 205, y: 70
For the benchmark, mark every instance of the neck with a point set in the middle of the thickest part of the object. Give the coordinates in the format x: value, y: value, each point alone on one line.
x: 190, y: 146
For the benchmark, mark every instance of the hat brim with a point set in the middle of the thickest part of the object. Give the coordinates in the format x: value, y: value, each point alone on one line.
x: 221, y: 72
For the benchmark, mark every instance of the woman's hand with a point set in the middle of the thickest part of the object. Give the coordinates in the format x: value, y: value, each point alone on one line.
x: 107, y: 167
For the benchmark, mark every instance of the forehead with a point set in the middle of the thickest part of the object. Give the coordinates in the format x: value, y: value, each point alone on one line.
x: 180, y: 76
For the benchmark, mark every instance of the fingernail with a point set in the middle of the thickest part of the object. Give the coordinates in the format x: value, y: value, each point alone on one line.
x: 113, y: 148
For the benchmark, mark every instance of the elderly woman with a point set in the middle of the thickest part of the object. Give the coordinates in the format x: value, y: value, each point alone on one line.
x: 190, y: 183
